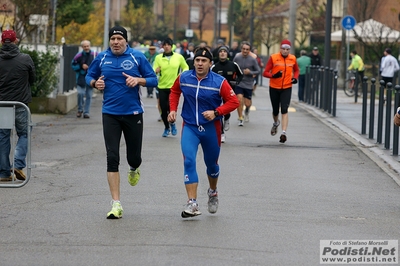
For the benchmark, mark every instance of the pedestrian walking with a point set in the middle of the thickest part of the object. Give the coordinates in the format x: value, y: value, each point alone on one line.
x: 283, y: 71
x: 244, y: 90
x: 389, y: 66
x: 233, y: 74
x: 17, y: 75
x: 119, y: 72
x: 207, y: 97
x: 303, y: 61
x: 80, y: 64
x: 168, y: 65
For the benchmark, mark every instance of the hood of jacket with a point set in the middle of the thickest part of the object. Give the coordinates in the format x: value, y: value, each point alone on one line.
x: 8, y: 51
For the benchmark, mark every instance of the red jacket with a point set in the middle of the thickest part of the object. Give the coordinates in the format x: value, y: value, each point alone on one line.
x: 288, y: 66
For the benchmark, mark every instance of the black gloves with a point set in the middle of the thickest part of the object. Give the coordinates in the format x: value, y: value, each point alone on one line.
x: 277, y: 75
x: 294, y: 81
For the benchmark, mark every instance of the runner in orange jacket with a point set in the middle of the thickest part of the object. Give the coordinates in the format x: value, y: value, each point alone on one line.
x: 283, y: 71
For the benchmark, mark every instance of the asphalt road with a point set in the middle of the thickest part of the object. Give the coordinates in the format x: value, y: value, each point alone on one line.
x: 277, y: 201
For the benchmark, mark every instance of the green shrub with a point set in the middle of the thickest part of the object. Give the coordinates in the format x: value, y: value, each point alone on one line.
x: 46, y: 75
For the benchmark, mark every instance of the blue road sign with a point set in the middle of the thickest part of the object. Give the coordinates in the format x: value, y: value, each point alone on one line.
x: 348, y: 22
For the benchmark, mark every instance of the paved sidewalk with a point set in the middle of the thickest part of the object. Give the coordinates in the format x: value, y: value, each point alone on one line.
x: 348, y: 122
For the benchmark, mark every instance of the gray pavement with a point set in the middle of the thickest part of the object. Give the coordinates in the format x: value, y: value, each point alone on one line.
x: 277, y: 201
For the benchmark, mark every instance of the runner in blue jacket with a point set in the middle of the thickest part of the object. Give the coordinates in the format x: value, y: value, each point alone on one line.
x: 119, y: 72
x: 207, y: 97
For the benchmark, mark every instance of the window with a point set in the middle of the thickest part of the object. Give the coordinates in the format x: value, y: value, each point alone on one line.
x: 224, y: 15
x: 194, y: 15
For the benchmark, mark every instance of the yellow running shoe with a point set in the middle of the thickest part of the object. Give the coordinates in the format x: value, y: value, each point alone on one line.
x: 134, y: 176
x: 116, y: 210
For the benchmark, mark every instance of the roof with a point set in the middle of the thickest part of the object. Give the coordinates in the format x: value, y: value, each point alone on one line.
x: 370, y: 31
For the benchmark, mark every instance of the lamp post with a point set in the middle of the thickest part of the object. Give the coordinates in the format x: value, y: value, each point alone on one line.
x: 231, y: 22
x: 53, y: 23
x: 190, y: 9
x: 106, y: 26
x: 292, y: 25
x: 175, y: 15
x: 252, y: 23
x: 219, y: 19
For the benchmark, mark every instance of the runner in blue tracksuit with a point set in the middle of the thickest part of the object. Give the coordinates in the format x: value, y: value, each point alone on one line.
x: 119, y: 72
x: 207, y: 97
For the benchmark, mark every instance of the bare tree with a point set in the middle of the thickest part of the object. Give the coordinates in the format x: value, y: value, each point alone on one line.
x: 311, y: 20
x: 271, y: 33
x: 21, y: 16
x: 205, y: 9
x: 373, y: 37
x: 272, y: 23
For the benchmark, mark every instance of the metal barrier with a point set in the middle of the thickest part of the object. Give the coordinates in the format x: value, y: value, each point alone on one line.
x: 7, y: 121
x: 321, y: 88
x: 386, y: 111
x: 321, y: 91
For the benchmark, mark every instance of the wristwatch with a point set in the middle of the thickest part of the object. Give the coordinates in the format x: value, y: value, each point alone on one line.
x: 216, y: 113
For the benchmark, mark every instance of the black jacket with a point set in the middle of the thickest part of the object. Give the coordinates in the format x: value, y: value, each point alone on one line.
x: 229, y: 70
x: 316, y: 60
x: 17, y: 74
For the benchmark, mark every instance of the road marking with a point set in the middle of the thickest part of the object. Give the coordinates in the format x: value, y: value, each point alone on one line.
x: 254, y: 108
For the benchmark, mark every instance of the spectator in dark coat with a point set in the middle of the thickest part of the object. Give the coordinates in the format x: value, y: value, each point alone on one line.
x: 316, y: 59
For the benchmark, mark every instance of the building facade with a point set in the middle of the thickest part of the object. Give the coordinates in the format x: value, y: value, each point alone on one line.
x: 206, y: 19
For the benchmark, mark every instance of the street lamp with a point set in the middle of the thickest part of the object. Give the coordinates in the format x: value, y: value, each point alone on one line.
x: 53, y: 24
x: 106, y: 25
x: 219, y: 19
x: 190, y: 9
x: 252, y: 23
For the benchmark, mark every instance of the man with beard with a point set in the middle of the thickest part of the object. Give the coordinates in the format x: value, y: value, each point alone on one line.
x: 244, y: 90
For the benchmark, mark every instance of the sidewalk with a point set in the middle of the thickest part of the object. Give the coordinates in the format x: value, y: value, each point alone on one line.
x: 348, y: 123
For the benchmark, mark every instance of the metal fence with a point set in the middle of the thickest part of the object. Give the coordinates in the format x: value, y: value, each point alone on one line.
x: 321, y: 91
x: 7, y: 121
x: 321, y: 88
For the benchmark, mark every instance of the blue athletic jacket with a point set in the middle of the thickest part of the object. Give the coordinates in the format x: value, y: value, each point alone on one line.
x: 118, y: 98
x: 202, y: 95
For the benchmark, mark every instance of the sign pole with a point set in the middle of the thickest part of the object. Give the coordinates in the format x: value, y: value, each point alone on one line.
x: 348, y: 23
x: 347, y: 52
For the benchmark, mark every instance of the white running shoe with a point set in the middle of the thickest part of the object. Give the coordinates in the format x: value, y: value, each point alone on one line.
x: 223, y: 138
x: 212, y: 205
x: 246, y: 117
x: 191, y: 209
x: 240, y: 123
x: 226, y: 125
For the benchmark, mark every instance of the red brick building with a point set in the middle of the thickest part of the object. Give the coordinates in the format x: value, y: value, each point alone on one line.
x: 181, y: 15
